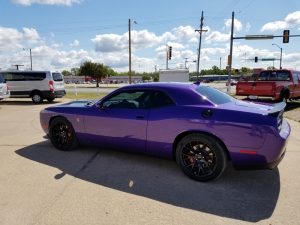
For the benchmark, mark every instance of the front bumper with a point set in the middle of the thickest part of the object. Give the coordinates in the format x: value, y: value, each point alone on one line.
x: 4, y: 95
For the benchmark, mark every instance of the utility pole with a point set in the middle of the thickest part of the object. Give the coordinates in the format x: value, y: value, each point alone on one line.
x: 220, y: 63
x: 17, y: 66
x: 167, y: 57
x: 30, y: 59
x: 230, y: 56
x: 199, y: 48
x: 129, y: 46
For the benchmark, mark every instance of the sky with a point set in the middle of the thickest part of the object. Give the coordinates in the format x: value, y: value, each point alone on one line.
x: 62, y: 34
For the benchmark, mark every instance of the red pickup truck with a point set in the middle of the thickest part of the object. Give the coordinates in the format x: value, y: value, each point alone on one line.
x: 277, y: 84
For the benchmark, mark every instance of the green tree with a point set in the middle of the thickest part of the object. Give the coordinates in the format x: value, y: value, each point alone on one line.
x: 94, y: 70
x: 66, y: 73
x: 75, y: 71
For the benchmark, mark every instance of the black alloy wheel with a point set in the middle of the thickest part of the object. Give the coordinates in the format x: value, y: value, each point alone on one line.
x: 201, y: 157
x: 62, y: 134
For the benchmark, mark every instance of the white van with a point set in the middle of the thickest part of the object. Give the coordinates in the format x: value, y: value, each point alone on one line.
x: 38, y: 85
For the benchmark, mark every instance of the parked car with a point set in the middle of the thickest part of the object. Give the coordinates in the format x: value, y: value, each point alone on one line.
x: 4, y: 90
x: 37, y: 85
x: 279, y: 85
x: 198, y: 126
x: 233, y: 82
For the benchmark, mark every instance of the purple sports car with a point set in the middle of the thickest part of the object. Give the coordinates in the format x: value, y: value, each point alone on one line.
x: 198, y: 126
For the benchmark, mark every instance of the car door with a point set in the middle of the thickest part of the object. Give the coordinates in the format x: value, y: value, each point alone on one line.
x: 162, y: 124
x: 120, y: 121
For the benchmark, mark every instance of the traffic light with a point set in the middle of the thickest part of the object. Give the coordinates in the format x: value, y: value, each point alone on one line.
x: 286, y: 36
x: 255, y: 59
x: 170, y: 52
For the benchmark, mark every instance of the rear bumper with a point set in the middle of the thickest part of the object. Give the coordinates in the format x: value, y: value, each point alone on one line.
x: 55, y: 94
x: 266, y: 157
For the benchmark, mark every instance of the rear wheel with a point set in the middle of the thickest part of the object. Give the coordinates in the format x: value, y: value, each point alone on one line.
x: 201, y: 157
x: 62, y: 134
x: 36, y: 98
x: 284, y: 96
x: 50, y: 99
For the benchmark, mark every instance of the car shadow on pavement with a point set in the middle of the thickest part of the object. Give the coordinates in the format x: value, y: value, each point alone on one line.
x: 243, y: 195
x: 27, y: 102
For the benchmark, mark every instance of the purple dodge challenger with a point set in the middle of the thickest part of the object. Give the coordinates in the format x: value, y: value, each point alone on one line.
x: 200, y: 127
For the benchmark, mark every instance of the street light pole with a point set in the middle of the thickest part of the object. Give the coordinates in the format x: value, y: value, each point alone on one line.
x: 280, y: 60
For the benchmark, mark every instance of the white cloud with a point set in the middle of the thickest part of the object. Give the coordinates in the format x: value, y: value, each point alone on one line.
x: 75, y: 43
x: 46, y: 2
x: 30, y: 34
x: 238, y: 26
x: 217, y: 36
x: 11, y: 38
x: 213, y: 51
x: 110, y: 42
x: 185, y: 33
x: 139, y: 39
x: 273, y: 26
x: 291, y: 20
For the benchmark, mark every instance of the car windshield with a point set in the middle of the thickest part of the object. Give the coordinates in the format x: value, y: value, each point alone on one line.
x: 215, y: 96
x: 57, y: 77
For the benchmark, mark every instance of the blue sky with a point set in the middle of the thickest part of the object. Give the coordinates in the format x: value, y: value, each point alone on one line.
x: 64, y: 33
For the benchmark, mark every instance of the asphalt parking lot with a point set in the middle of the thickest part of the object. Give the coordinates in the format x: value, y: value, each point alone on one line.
x: 41, y: 185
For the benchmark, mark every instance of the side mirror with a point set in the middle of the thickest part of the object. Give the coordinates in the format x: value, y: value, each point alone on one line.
x: 101, y: 106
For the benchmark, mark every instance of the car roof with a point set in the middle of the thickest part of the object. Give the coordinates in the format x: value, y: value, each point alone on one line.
x: 182, y: 93
x: 164, y: 85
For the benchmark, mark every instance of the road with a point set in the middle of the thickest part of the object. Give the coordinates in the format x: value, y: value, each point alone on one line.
x: 41, y: 185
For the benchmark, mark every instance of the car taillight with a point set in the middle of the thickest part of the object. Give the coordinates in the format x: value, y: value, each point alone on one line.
x: 51, y: 87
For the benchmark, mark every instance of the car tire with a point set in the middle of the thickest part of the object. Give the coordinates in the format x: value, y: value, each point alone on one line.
x: 62, y: 134
x: 201, y: 157
x: 50, y: 99
x: 36, y: 98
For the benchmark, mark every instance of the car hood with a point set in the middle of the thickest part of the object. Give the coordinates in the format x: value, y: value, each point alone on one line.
x: 78, y: 103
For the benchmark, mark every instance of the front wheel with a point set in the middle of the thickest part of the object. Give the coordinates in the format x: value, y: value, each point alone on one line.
x: 201, y: 157
x: 62, y: 134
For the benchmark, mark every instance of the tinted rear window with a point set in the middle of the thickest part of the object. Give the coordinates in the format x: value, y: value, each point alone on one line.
x: 57, y: 77
x: 274, y: 76
x: 214, y: 95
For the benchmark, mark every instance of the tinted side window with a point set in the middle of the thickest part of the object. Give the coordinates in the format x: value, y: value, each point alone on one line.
x: 24, y: 76
x: 127, y: 100
x: 34, y: 76
x: 160, y: 99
